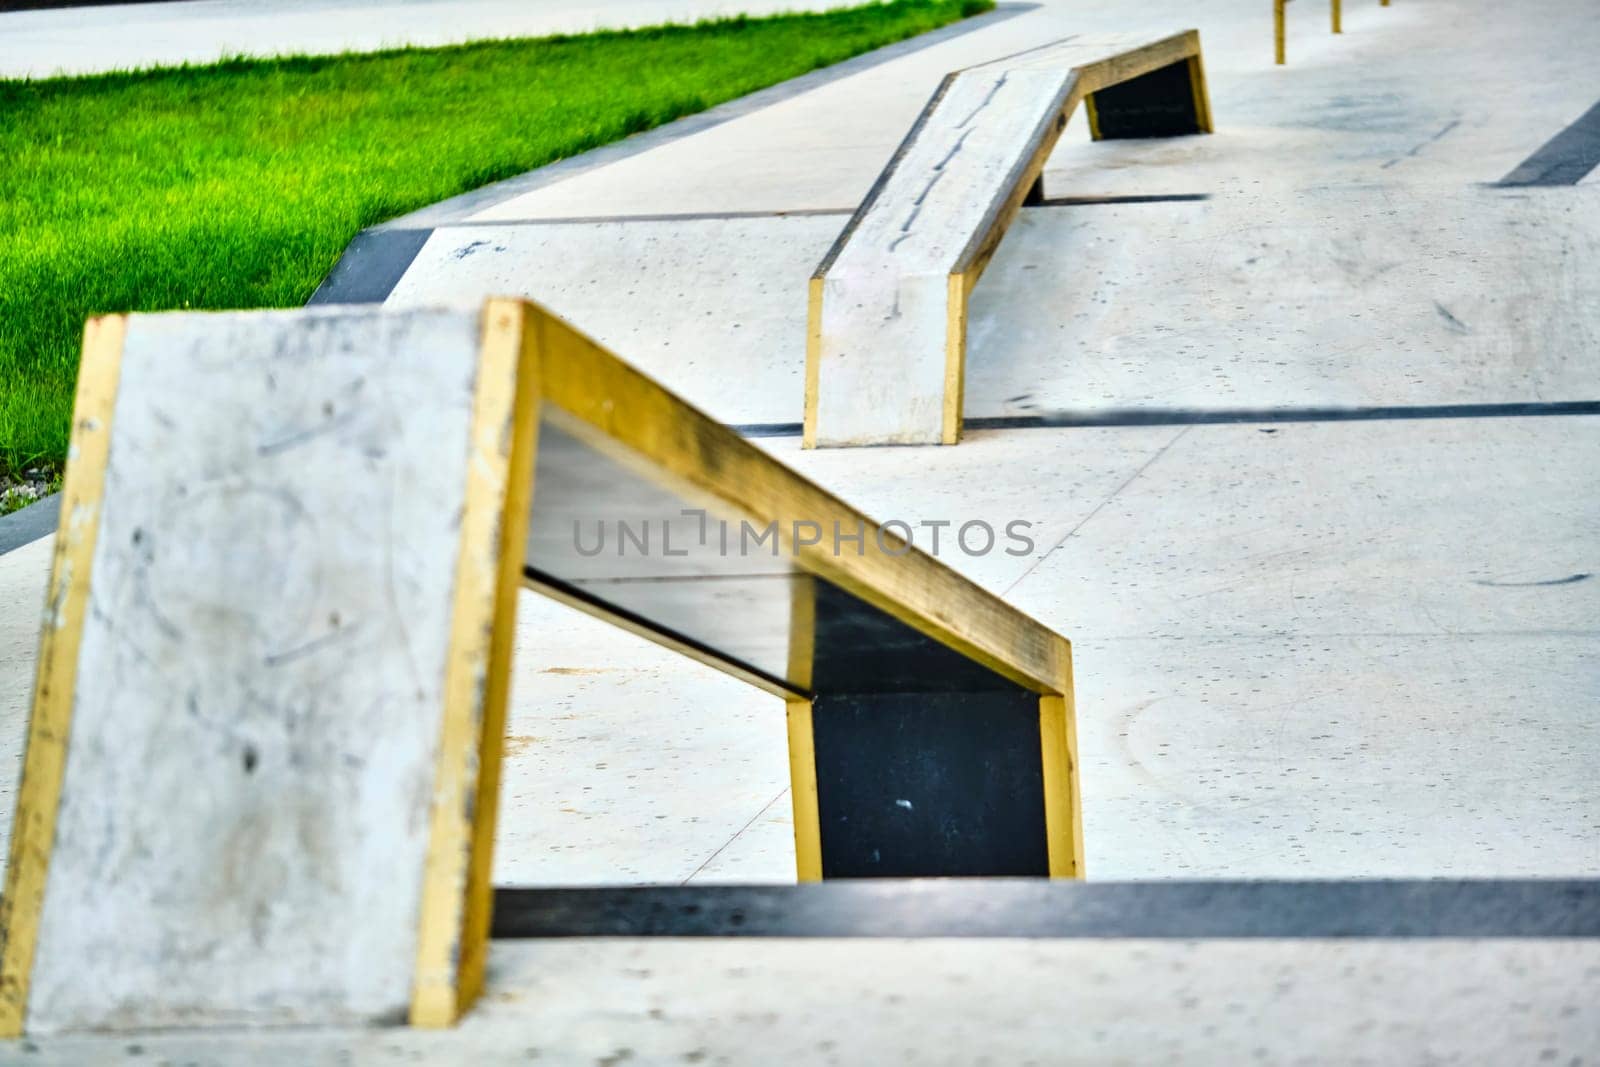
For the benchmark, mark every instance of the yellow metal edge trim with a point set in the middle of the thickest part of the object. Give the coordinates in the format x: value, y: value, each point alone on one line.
x: 808, y: 433
x: 1202, y: 94
x: 955, y: 358
x: 55, y: 680
x: 513, y: 551
x: 802, y: 631
x: 1063, y: 810
x: 803, y: 792
x: 453, y: 920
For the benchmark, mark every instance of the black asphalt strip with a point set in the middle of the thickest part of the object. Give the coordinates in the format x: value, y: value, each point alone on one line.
x: 1565, y: 159
x: 1044, y: 908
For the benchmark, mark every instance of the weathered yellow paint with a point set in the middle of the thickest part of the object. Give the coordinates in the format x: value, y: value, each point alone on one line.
x: 802, y: 631
x: 803, y: 792
x: 808, y: 432
x: 50, y: 725
x: 1337, y: 16
x: 955, y: 358
x: 1063, y: 814
x: 1278, y: 32
x: 453, y: 924
x: 1202, y: 94
x: 513, y: 548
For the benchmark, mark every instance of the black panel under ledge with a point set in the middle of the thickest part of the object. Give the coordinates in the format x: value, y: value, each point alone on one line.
x: 924, y: 784
x: 1158, y: 104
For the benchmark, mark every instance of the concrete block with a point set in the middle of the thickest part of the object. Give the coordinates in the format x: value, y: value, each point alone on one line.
x: 252, y: 768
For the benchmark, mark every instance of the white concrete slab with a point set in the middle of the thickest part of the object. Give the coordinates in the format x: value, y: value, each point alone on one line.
x: 1370, y: 104
x: 627, y: 763
x: 1305, y: 650
x: 1347, y: 296
x: 1430, y: 527
x: 1494, y: 83
x: 763, y: 851
x: 35, y: 44
x: 966, y: 1001
x: 1380, y: 666
x: 996, y: 478
x: 714, y: 309
x: 1330, y: 297
x: 1345, y: 756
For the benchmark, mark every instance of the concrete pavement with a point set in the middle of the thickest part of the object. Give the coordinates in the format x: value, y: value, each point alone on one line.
x: 92, y: 40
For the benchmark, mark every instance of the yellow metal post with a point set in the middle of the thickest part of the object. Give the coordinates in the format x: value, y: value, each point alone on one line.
x: 1338, y: 27
x: 1277, y: 31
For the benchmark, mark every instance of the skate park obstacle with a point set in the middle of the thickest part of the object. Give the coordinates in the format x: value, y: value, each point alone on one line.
x: 1280, y: 25
x: 263, y: 761
x: 886, y: 330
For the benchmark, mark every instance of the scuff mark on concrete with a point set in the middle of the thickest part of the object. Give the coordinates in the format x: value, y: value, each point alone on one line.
x: 1454, y: 324
x: 1571, y: 579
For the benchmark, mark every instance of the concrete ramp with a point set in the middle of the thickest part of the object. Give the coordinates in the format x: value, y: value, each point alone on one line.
x: 886, y: 334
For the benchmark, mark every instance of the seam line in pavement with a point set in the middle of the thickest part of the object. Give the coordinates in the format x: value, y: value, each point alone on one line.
x: 1279, y: 635
x: 737, y: 834
x: 1109, y: 200
x: 680, y: 216
x: 377, y: 259
x: 1113, y: 417
x: 1097, y: 508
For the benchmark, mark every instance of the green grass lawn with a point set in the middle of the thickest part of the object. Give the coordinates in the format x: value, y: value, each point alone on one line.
x: 237, y: 185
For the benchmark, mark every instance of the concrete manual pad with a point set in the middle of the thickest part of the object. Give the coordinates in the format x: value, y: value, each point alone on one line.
x: 686, y: 1001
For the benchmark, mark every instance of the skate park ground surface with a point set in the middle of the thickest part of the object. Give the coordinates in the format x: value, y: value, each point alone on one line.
x: 1297, y: 412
